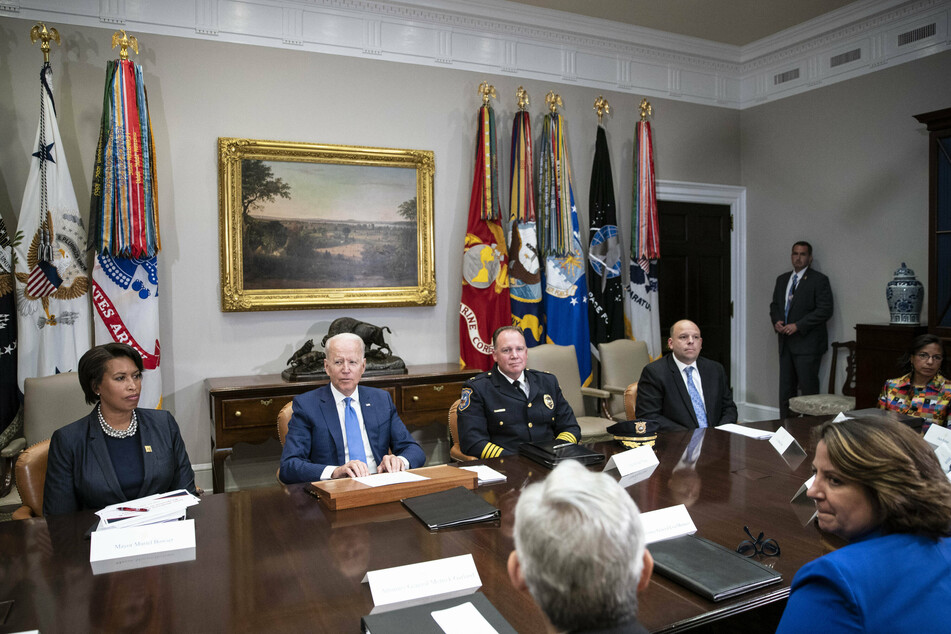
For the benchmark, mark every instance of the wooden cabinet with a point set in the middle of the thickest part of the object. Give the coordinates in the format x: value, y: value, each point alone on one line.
x: 877, y: 350
x: 245, y: 408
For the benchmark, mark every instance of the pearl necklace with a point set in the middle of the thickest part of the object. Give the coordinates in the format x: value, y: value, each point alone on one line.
x: 109, y: 430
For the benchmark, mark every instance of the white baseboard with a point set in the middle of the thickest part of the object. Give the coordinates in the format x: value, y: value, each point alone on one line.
x: 752, y: 412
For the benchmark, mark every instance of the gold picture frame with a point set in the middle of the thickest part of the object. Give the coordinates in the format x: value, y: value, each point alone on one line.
x: 306, y: 225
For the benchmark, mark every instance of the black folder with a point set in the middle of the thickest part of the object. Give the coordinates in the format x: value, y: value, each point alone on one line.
x: 709, y: 569
x: 418, y: 618
x: 551, y: 452
x: 452, y: 507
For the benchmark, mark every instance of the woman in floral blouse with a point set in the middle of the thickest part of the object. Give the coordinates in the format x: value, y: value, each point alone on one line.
x: 923, y: 391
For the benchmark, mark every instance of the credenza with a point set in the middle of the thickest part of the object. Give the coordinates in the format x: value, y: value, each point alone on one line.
x: 245, y: 408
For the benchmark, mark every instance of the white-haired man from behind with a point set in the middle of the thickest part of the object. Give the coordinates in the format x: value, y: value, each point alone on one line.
x: 580, y: 551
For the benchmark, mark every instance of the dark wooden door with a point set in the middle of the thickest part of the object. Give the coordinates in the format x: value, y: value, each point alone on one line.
x: 693, y: 276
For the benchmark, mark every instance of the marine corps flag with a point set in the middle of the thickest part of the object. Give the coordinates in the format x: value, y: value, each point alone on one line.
x: 605, y: 293
x: 485, y: 286
x: 124, y: 210
x: 645, y: 242
x: 524, y: 269
x: 52, y: 279
x: 566, y: 294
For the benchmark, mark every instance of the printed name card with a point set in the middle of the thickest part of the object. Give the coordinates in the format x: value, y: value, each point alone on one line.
x: 426, y: 581
x: 634, y: 465
x: 943, y: 452
x: 788, y: 447
x: 803, y: 506
x: 141, y: 546
x: 667, y: 523
x: 937, y: 435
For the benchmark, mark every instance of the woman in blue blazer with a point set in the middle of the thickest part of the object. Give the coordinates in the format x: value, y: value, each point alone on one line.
x: 118, y: 452
x: 881, y: 487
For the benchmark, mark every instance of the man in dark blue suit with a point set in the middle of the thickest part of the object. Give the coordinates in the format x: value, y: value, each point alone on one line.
x: 801, y: 306
x: 342, y: 430
x: 682, y: 390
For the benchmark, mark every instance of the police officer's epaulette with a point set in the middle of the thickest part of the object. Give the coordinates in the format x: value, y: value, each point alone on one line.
x: 479, y: 377
x: 539, y: 371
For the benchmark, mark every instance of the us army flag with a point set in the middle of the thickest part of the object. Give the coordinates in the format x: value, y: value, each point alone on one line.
x: 485, y: 281
x: 566, y: 294
x: 52, y: 279
x: 524, y: 268
x: 126, y: 240
x: 645, y: 246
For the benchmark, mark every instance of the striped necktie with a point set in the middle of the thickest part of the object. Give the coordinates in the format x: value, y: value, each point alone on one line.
x: 698, y: 406
x: 792, y: 291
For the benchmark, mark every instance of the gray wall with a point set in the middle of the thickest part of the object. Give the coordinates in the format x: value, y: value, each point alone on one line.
x: 846, y: 168
x: 200, y: 90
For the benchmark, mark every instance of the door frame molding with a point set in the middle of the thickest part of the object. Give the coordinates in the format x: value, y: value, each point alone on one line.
x: 735, y: 197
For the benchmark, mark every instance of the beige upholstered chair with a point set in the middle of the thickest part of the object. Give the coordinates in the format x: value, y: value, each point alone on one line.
x: 561, y: 361
x: 455, y: 450
x: 831, y: 403
x: 621, y: 364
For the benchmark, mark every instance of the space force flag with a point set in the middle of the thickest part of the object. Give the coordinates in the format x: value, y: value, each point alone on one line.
x: 566, y: 294
x: 645, y: 245
x: 52, y: 279
x: 124, y: 209
x: 524, y: 267
x: 485, y: 302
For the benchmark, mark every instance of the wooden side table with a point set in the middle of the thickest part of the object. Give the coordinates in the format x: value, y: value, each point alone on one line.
x: 245, y: 408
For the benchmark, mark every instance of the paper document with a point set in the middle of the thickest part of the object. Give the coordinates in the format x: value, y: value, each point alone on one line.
x: 667, y: 523
x: 487, y: 475
x: 152, y: 509
x: 749, y: 432
x: 463, y: 619
x: 937, y: 436
x: 383, y: 479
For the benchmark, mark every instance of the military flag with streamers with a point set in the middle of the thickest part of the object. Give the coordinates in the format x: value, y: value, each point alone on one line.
x: 605, y: 292
x: 124, y: 212
x: 566, y: 294
x: 10, y: 423
x: 645, y: 246
x: 52, y: 279
x: 525, y: 280
x: 485, y: 303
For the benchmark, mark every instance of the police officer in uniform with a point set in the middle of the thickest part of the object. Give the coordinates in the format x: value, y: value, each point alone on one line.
x: 508, y: 405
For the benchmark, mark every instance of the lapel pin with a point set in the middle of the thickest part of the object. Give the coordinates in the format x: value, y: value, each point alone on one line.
x: 148, y: 449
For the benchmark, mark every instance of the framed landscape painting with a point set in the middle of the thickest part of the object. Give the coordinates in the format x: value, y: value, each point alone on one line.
x: 304, y: 225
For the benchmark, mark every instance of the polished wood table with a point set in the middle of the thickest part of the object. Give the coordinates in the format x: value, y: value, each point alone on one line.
x: 274, y: 559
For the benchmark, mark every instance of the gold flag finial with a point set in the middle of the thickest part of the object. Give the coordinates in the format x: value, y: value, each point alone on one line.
x: 646, y: 110
x: 602, y: 107
x: 44, y: 34
x: 124, y: 41
x: 521, y: 98
x: 487, y: 91
x: 554, y: 101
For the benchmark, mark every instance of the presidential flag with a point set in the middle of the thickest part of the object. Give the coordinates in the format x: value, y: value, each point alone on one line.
x: 124, y: 209
x: 605, y: 292
x: 644, y: 309
x: 52, y: 279
x: 524, y: 267
x: 566, y: 294
x: 485, y: 304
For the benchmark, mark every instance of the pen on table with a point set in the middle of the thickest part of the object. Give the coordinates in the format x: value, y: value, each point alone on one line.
x: 564, y: 444
x: 131, y: 508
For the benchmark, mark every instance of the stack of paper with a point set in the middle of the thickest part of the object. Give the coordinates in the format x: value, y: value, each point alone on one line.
x: 487, y: 475
x: 153, y: 509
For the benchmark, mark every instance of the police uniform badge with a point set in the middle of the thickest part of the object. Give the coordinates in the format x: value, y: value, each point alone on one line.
x: 549, y: 401
x: 464, y: 399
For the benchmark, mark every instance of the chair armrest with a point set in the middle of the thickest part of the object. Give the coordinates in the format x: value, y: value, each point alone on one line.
x: 614, y: 389
x: 595, y: 392
x: 22, y: 513
x: 16, y: 446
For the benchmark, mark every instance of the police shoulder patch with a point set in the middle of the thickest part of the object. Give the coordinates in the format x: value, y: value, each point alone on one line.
x: 464, y: 399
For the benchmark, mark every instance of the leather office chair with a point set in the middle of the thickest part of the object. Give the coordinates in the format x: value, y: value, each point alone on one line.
x: 562, y: 362
x: 630, y: 401
x: 283, y: 418
x: 831, y: 403
x: 455, y: 450
x: 31, y: 478
x: 621, y: 364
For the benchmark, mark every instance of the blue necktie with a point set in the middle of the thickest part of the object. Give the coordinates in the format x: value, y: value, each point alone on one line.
x: 354, y: 437
x: 792, y: 290
x: 698, y: 407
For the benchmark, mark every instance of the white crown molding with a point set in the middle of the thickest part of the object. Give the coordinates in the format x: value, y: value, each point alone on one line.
x: 524, y: 41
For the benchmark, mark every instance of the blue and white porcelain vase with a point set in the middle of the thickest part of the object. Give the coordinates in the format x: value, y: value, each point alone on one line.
x: 905, y: 295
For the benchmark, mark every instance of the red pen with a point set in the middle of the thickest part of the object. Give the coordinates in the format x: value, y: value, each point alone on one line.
x: 129, y: 508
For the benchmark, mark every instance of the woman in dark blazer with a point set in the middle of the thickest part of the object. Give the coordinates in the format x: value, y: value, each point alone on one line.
x: 118, y: 452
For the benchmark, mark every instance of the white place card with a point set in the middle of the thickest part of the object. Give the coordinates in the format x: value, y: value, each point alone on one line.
x: 667, y: 523
x: 937, y: 435
x: 841, y: 417
x: 781, y: 440
x: 943, y: 452
x: 141, y: 546
x: 749, y: 432
x: 383, y: 479
x: 803, y: 506
x: 487, y: 475
x: 414, y: 584
x: 633, y: 461
x: 462, y: 619
x: 788, y: 447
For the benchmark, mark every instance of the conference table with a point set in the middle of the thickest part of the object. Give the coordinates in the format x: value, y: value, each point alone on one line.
x: 274, y: 559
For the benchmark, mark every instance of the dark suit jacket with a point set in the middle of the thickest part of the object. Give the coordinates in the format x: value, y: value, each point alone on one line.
x: 79, y: 473
x: 314, y: 439
x: 662, y: 395
x: 810, y: 309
